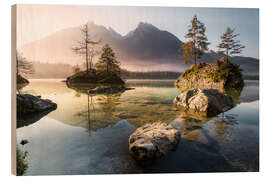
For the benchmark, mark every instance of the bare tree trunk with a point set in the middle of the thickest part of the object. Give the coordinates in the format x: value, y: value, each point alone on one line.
x: 195, y: 54
x: 227, y: 54
x: 91, y: 62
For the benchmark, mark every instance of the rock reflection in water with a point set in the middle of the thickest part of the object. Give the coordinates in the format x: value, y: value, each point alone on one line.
x: 191, y: 126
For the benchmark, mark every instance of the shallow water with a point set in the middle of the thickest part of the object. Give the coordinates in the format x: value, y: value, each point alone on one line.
x: 89, y: 134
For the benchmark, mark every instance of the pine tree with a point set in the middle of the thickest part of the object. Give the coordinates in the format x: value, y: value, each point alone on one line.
x: 197, y: 41
x: 229, y: 45
x: 107, y: 61
x: 86, y: 46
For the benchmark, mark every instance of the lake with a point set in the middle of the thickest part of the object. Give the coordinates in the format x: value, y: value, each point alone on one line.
x: 89, y: 134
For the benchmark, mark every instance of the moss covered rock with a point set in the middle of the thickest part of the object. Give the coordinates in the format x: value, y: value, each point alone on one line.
x: 93, y: 77
x: 220, y: 75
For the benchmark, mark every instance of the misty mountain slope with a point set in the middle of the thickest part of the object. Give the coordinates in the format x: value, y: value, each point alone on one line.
x: 144, y: 48
x: 148, y: 42
x: 54, y: 48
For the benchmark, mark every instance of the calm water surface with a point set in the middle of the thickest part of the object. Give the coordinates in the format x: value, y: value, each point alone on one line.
x: 89, y: 134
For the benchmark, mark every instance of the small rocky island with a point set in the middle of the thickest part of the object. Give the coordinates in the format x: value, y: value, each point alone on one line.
x: 205, y: 87
x: 221, y: 75
x: 102, y: 78
x: 97, y: 83
x: 94, y: 77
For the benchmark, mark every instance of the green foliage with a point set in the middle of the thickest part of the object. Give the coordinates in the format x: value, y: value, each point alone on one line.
x: 197, y: 41
x: 93, y: 77
x: 193, y: 70
x: 188, y: 52
x: 113, y: 79
x: 228, y: 44
x: 107, y: 70
x: 22, y: 164
x: 223, y: 71
x: 107, y: 62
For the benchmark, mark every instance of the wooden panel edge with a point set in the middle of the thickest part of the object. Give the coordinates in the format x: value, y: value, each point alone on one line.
x: 13, y: 87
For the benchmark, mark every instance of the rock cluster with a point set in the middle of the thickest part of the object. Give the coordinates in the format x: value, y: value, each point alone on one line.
x: 209, y: 102
x: 27, y: 103
x: 153, y: 141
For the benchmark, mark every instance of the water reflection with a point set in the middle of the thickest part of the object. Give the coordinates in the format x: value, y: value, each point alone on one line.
x: 31, y: 118
x: 100, y: 109
x: 220, y: 143
x: 192, y: 126
x: 20, y: 86
x: 224, y: 125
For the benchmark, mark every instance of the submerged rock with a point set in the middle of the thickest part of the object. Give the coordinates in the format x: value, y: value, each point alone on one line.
x: 153, y: 141
x: 108, y: 90
x: 27, y: 104
x: 208, y: 102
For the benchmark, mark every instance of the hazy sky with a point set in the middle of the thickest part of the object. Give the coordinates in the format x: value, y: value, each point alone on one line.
x: 37, y: 21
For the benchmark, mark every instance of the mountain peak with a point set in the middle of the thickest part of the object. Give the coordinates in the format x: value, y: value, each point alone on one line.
x: 145, y: 25
x: 91, y: 23
x: 113, y: 32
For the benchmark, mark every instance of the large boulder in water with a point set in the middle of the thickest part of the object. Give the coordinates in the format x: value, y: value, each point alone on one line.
x: 208, y: 102
x: 153, y: 141
x: 27, y: 103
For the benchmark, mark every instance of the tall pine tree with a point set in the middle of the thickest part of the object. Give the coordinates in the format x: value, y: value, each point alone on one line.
x: 229, y: 45
x: 107, y: 61
x: 197, y: 41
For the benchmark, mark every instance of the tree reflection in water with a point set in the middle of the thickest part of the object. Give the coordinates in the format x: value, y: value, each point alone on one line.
x: 99, y: 112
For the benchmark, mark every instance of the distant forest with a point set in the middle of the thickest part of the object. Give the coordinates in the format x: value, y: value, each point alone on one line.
x: 150, y: 75
x: 61, y: 71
